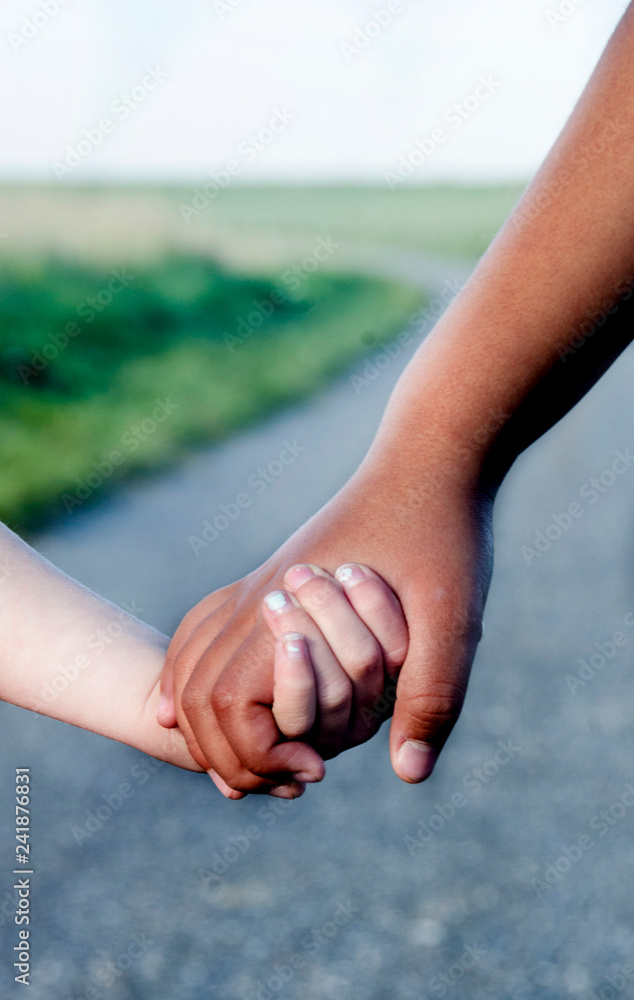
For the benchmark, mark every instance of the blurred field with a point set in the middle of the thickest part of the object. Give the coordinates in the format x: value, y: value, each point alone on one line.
x: 217, y: 308
x: 250, y: 226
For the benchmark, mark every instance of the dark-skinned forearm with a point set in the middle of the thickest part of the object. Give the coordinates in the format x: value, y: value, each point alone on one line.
x: 518, y: 346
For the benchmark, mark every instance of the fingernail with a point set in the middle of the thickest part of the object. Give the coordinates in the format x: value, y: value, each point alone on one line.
x: 284, y: 792
x: 416, y: 760
x: 295, y: 645
x: 306, y: 776
x: 350, y: 574
x: 297, y: 575
x: 223, y: 787
x: 278, y: 600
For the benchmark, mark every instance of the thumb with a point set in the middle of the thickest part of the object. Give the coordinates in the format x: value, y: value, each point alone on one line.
x: 429, y: 696
x: 166, y: 712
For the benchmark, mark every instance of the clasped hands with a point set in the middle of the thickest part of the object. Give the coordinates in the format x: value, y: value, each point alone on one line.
x: 374, y: 606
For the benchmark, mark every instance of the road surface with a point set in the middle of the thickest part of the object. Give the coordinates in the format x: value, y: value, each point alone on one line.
x: 508, y: 874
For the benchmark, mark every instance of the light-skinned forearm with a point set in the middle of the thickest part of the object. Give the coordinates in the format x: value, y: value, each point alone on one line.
x: 71, y: 655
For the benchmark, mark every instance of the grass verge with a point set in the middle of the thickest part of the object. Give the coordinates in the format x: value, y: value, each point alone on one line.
x: 104, y: 373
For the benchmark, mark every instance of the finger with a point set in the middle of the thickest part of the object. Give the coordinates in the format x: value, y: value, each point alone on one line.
x: 240, y: 778
x: 190, y: 641
x: 282, y: 791
x: 222, y: 786
x: 430, y: 693
x: 166, y: 711
x: 235, y: 725
x: 334, y: 688
x: 351, y: 641
x: 193, y: 690
x: 294, y: 687
x: 379, y: 608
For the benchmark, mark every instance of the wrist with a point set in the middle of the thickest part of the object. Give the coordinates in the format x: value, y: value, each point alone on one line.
x: 451, y: 418
x: 415, y: 449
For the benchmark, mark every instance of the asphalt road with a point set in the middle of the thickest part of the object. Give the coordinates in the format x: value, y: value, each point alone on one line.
x: 507, y: 874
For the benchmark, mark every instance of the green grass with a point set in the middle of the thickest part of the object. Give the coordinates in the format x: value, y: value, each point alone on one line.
x: 164, y: 336
x: 170, y: 335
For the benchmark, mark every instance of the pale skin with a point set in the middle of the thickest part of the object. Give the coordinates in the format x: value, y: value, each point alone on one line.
x: 498, y: 370
x: 74, y: 656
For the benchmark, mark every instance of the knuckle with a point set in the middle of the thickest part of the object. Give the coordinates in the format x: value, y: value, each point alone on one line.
x: 364, y: 662
x: 223, y: 698
x: 192, y: 699
x: 239, y: 777
x: 182, y: 666
x: 236, y: 781
x: 319, y: 595
x: 435, y: 711
x: 336, y: 696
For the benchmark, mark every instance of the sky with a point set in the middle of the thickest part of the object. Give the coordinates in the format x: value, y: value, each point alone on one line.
x: 291, y: 90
